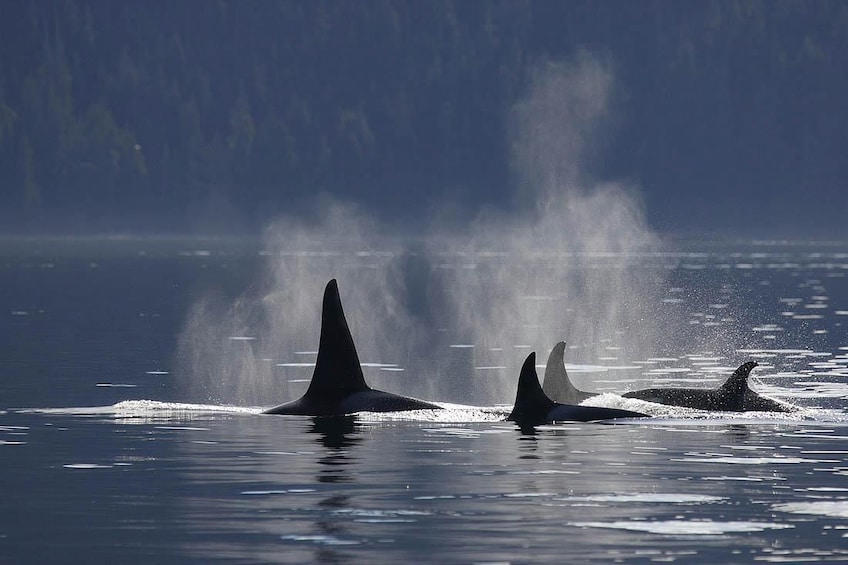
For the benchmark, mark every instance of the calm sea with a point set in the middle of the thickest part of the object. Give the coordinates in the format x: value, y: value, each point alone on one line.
x: 117, y: 447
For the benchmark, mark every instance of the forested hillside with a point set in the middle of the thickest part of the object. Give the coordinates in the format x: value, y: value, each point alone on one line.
x: 153, y: 115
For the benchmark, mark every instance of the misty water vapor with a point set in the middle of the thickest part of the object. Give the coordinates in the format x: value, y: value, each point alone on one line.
x: 453, y: 315
x: 569, y: 267
x: 259, y: 348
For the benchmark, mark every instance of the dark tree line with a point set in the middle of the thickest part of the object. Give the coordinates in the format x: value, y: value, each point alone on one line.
x: 133, y: 114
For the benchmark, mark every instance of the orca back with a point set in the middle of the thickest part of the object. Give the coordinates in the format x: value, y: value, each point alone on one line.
x: 732, y: 396
x: 756, y: 403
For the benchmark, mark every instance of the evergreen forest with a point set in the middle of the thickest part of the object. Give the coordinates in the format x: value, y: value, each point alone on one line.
x: 183, y: 115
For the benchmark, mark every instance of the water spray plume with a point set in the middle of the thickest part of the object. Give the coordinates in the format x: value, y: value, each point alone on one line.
x: 568, y: 267
x: 451, y: 317
x: 282, y: 312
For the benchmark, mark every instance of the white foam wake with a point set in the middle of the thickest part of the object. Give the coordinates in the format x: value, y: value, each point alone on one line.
x: 665, y: 411
x: 128, y: 409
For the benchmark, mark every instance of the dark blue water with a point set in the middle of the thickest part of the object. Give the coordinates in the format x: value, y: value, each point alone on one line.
x: 110, y: 455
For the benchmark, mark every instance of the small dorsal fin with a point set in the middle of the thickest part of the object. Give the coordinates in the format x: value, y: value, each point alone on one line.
x: 736, y: 386
x: 337, y: 369
x: 531, y: 403
x: 739, y: 379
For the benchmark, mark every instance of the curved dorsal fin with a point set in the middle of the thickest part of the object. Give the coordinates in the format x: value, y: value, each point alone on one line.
x: 738, y: 381
x: 556, y: 377
x: 556, y: 383
x: 337, y: 369
x: 735, y: 387
x: 531, y: 402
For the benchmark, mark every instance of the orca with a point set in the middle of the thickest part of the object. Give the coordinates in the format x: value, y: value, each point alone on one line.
x: 338, y: 386
x: 733, y: 396
x: 557, y: 385
x: 533, y: 407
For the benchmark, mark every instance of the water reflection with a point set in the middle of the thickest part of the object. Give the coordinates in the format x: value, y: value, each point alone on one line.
x: 526, y: 430
x: 739, y: 433
x: 337, y: 434
x: 528, y: 445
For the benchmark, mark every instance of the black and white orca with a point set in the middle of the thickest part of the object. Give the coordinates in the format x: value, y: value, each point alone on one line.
x: 533, y: 407
x: 733, y: 396
x: 338, y: 386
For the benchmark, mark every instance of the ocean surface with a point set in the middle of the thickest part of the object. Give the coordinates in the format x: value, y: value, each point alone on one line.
x: 122, y: 441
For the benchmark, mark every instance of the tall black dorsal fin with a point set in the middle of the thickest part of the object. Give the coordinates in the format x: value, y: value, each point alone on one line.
x: 337, y: 370
x: 531, y: 403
